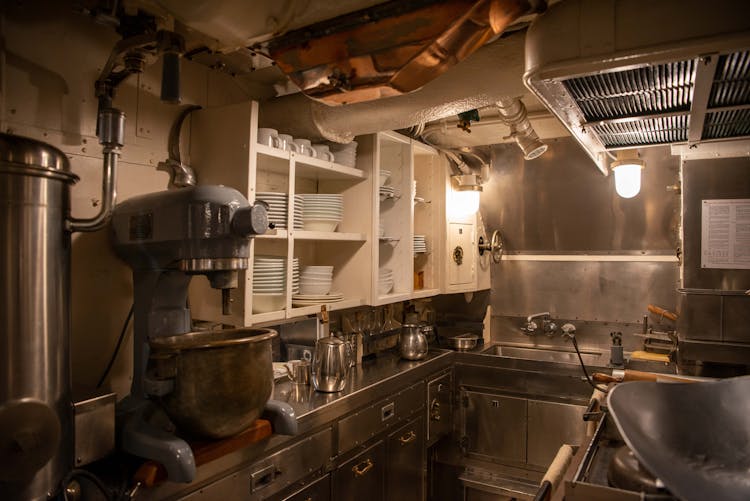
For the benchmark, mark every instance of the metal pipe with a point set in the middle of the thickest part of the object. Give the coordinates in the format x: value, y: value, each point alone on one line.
x: 513, y: 113
x: 111, y: 131
x: 109, y: 196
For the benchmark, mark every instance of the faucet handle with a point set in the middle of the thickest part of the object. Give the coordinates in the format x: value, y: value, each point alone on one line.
x: 569, y: 330
x: 530, y: 328
x: 550, y: 328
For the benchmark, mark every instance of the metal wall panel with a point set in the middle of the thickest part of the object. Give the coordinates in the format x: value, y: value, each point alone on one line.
x: 552, y: 424
x: 586, y: 290
x: 561, y: 203
x: 705, y: 180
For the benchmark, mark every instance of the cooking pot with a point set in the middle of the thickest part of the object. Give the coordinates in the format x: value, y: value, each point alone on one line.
x: 221, y: 380
x: 463, y: 342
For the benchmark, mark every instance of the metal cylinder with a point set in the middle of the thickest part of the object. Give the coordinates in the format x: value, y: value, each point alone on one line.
x: 36, y: 414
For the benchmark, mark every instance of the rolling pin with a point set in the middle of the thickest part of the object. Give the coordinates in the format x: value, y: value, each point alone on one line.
x: 662, y: 312
x: 555, y: 473
x: 630, y: 375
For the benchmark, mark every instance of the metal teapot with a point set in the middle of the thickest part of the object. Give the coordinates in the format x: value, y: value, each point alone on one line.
x: 413, y: 343
x: 330, y: 365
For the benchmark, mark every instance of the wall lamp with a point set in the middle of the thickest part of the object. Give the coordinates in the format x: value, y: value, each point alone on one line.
x: 464, y: 197
x: 627, y: 169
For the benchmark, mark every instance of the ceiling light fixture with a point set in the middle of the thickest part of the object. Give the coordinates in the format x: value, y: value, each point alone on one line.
x: 627, y: 169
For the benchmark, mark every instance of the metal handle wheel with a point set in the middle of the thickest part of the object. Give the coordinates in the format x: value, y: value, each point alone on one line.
x: 494, y: 246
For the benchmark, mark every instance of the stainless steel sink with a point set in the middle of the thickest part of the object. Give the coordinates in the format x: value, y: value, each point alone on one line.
x: 546, y: 354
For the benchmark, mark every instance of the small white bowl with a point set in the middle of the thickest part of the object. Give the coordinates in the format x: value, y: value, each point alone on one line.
x: 306, y: 288
x: 263, y: 303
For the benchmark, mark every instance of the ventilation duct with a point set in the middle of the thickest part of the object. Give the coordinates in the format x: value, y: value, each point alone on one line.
x: 634, y: 73
x: 487, y: 76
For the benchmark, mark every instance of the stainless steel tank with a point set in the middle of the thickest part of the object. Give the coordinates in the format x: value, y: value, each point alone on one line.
x: 36, y: 416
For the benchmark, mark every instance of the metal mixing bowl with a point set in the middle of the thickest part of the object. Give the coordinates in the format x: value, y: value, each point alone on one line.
x: 222, y: 379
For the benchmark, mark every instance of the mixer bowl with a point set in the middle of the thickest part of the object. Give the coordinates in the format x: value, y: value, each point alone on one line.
x: 222, y: 379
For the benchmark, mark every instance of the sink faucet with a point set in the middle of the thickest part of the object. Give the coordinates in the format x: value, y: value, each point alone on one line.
x: 548, y: 326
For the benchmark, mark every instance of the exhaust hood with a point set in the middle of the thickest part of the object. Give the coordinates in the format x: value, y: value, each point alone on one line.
x: 633, y: 73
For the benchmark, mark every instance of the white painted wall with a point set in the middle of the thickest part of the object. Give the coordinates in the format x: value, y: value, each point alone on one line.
x: 49, y: 60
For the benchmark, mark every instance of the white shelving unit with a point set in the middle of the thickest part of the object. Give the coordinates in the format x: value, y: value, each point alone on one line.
x: 224, y: 150
x: 401, y: 217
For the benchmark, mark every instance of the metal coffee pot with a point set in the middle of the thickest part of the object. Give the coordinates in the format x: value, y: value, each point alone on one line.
x: 413, y: 343
x: 330, y: 365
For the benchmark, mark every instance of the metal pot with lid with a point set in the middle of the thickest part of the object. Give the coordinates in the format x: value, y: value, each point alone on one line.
x: 36, y: 416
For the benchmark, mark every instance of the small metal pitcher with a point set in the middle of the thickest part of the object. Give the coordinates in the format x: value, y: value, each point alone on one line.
x: 330, y: 364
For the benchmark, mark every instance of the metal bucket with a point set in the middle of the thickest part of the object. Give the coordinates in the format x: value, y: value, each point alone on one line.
x: 36, y: 412
x: 221, y: 379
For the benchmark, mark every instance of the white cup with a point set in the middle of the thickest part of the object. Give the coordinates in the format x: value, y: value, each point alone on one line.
x: 286, y: 142
x: 269, y: 137
x: 323, y: 152
x: 304, y: 147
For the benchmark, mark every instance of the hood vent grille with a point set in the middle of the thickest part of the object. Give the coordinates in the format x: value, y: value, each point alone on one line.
x: 662, y: 88
x: 732, y: 81
x: 629, y: 73
x: 645, y: 131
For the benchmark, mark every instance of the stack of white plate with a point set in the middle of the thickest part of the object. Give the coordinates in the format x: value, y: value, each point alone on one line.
x: 299, y: 212
x: 322, y: 212
x: 385, y: 281
x: 381, y: 230
x: 277, y: 207
x: 420, y: 244
x: 269, y: 283
x: 313, y: 299
x: 384, y: 176
x: 387, y: 192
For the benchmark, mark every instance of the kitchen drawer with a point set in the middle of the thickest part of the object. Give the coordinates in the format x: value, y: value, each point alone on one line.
x: 319, y: 490
x: 272, y: 474
x: 362, y: 477
x: 363, y: 425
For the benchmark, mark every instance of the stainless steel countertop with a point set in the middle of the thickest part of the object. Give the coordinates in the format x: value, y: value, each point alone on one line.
x: 367, y: 382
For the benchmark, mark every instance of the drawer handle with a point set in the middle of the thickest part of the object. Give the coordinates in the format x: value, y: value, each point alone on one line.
x: 363, y: 467
x: 408, y: 438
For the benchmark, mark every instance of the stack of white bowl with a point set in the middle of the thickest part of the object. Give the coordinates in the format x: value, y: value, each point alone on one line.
x: 299, y: 212
x: 277, y: 207
x: 385, y: 281
x: 387, y: 192
x: 322, y: 212
x: 384, y: 176
x: 344, y: 154
x: 269, y: 282
x: 316, y: 280
x: 420, y: 244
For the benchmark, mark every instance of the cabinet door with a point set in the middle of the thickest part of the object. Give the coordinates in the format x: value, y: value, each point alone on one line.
x: 461, y: 266
x: 405, y: 473
x: 495, y: 426
x: 320, y: 490
x: 362, y: 477
x: 439, y: 408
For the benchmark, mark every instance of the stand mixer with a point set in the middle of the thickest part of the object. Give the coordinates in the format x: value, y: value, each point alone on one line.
x: 166, y: 238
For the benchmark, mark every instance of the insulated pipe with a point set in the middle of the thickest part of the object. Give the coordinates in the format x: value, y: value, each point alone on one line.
x: 492, y: 72
x: 513, y: 113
